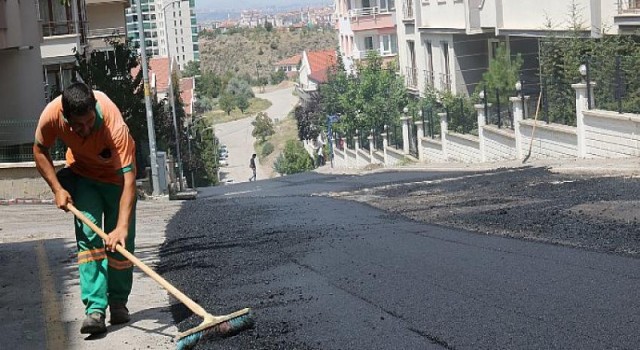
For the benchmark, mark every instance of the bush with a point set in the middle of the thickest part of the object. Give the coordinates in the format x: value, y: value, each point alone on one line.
x: 267, y: 149
x: 294, y: 159
x: 262, y: 127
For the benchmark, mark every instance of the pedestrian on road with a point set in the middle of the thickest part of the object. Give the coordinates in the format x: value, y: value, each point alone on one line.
x: 99, y: 179
x: 252, y: 165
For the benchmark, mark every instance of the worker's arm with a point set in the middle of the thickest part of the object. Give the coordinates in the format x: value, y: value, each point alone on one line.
x: 127, y: 203
x: 44, y: 164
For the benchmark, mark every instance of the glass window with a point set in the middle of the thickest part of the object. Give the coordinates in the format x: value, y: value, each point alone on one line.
x: 368, y: 43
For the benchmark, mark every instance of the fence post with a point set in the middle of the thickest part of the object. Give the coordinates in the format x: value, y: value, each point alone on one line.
x: 419, y: 136
x: 582, y: 104
x: 518, y: 116
x: 444, y: 127
x: 480, y: 109
x: 385, y: 144
x: 405, y: 134
x: 371, y: 145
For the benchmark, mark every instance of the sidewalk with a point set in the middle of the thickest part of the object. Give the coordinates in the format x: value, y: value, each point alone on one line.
x: 597, y: 167
x: 40, y: 306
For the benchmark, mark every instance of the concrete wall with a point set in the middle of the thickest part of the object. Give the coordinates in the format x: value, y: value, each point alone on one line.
x: 23, y: 181
x: 500, y: 144
x: 549, y: 140
x: 463, y: 148
x: 394, y: 156
x: 363, y: 159
x: 432, y: 150
x: 611, y: 135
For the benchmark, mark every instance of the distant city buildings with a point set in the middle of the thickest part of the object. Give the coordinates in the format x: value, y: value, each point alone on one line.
x: 175, y: 17
x: 305, y: 17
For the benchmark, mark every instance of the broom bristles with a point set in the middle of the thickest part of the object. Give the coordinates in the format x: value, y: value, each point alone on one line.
x: 220, y: 330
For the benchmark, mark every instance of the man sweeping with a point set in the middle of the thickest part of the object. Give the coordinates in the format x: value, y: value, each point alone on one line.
x: 99, y: 179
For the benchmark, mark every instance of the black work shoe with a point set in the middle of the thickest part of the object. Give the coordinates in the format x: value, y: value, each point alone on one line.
x: 119, y: 313
x: 93, y: 324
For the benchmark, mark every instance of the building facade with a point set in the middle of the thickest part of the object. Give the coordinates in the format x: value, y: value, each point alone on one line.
x: 364, y: 26
x: 447, y: 44
x: 170, y: 28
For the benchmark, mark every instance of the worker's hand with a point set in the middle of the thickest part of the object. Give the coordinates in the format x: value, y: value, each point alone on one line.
x: 117, y: 236
x: 62, y: 199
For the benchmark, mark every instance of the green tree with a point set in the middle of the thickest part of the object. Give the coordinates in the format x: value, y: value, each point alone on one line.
x: 192, y: 68
x: 501, y: 77
x: 293, y: 159
x: 242, y: 102
x: 262, y: 126
x: 209, y: 85
x: 268, y: 26
x: 111, y: 73
x: 278, y: 76
x: 227, y: 102
x: 238, y: 87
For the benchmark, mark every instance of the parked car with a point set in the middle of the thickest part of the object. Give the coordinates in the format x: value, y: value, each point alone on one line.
x: 223, y: 162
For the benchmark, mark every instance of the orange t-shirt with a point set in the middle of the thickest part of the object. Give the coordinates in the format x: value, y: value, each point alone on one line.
x: 105, y: 155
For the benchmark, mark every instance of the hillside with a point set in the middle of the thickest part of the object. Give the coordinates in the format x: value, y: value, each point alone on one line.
x: 241, y: 52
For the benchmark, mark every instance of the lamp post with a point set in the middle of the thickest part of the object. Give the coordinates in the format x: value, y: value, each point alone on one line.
x: 147, y: 103
x: 171, y: 97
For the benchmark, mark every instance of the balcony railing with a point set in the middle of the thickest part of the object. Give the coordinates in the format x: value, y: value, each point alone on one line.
x: 407, y: 9
x: 106, y: 32
x: 412, y: 77
x: 368, y: 11
x: 360, y: 55
x: 58, y: 28
x: 445, y: 82
x: 628, y: 6
x: 429, y: 78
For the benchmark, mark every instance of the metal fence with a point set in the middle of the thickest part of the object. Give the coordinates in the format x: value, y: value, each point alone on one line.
x: 23, y: 152
x: 616, y: 83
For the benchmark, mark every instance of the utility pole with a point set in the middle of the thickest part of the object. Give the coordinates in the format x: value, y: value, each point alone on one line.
x: 147, y: 103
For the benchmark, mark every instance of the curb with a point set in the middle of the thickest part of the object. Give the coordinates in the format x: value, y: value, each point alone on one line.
x: 25, y: 201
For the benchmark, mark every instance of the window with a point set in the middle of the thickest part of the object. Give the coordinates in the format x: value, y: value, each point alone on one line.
x: 389, y: 44
x: 387, y: 5
x: 493, y: 48
x: 368, y: 43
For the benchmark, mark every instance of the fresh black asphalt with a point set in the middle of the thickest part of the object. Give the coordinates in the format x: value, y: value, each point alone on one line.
x: 326, y: 273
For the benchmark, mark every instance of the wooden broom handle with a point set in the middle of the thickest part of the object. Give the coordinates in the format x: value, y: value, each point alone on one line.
x: 192, y: 305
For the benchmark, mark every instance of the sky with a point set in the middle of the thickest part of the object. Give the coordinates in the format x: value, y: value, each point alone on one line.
x: 247, y: 4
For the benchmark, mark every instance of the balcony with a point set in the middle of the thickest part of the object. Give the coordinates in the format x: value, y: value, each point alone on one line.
x: 412, y: 78
x: 407, y: 10
x: 361, y: 55
x: 429, y: 78
x: 96, y: 37
x: 628, y: 17
x: 368, y: 11
x: 60, y: 41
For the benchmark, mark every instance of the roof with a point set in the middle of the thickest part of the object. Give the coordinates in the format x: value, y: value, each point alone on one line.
x: 158, y: 66
x: 291, y: 61
x: 319, y: 64
x: 187, y: 93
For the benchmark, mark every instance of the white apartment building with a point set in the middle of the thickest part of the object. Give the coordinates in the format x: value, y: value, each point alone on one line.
x: 447, y: 44
x: 366, y: 25
x: 22, y: 93
x: 170, y: 28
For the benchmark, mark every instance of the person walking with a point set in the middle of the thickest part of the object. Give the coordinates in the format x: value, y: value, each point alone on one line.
x: 252, y: 165
x: 99, y: 179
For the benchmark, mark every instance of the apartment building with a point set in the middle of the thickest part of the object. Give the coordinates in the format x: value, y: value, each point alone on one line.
x: 447, y: 44
x: 22, y: 93
x: 170, y: 28
x: 366, y: 25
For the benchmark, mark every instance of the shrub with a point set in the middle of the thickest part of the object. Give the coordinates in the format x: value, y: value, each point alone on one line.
x: 294, y: 159
x: 267, y: 149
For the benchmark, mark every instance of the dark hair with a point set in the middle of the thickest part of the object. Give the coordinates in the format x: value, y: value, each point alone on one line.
x: 254, y: 155
x: 77, y: 99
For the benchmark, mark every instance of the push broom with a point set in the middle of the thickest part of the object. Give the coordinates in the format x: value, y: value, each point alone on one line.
x: 211, y: 327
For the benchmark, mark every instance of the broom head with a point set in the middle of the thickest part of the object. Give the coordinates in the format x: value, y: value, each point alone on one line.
x: 215, y: 327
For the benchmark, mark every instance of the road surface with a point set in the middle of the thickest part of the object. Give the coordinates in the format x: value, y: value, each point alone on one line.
x: 237, y: 136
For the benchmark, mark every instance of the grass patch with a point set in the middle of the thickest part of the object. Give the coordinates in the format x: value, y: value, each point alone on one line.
x: 286, y: 129
x: 255, y: 105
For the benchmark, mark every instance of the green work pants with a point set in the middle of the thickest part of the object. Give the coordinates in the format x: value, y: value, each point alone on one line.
x: 105, y: 277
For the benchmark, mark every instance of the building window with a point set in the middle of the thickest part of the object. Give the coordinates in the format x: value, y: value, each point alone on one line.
x: 368, y: 43
x: 389, y: 44
x: 493, y: 48
x: 387, y: 5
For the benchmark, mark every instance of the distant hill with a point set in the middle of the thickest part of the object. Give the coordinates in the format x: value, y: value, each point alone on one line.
x: 241, y: 52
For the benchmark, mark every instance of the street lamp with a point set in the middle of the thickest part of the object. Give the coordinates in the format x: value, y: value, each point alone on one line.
x: 147, y: 103
x: 171, y: 97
